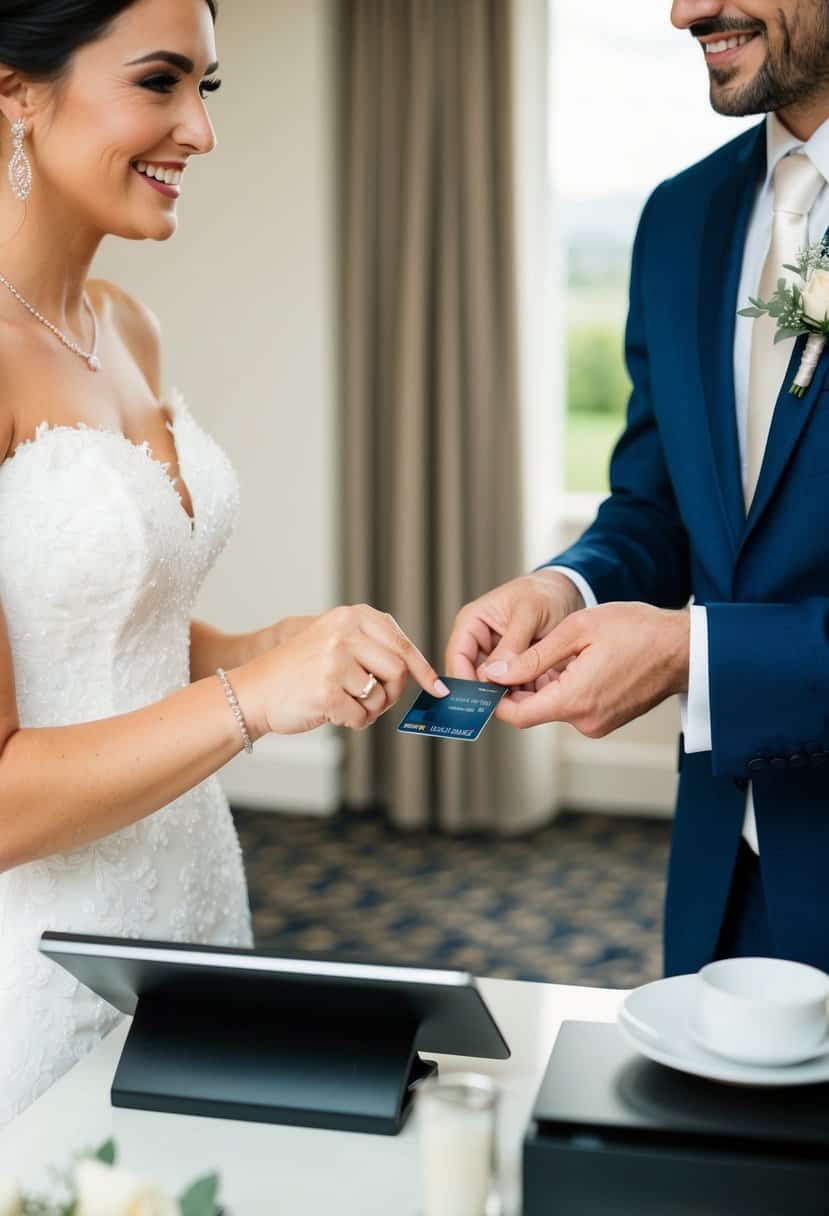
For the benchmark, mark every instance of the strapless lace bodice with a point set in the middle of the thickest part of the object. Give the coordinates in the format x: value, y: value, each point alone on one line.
x: 99, y: 570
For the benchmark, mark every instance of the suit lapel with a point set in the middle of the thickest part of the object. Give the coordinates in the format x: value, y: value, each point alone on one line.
x: 724, y: 237
x: 788, y: 420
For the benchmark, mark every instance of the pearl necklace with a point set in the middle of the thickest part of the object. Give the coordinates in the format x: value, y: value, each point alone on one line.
x: 92, y: 360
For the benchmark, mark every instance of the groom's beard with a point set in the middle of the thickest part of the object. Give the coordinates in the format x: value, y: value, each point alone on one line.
x: 796, y: 67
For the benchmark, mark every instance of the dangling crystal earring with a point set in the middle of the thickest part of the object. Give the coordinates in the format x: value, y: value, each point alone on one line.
x: 20, y: 169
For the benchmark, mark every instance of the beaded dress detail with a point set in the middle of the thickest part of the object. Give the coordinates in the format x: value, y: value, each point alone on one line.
x: 100, y: 566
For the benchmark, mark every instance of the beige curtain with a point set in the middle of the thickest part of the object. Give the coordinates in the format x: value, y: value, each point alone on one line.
x: 431, y: 435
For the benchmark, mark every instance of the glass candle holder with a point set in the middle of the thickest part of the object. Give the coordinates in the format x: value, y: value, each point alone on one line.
x: 455, y: 1117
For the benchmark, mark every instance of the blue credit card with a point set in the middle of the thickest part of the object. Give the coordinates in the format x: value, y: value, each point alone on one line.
x: 461, y: 715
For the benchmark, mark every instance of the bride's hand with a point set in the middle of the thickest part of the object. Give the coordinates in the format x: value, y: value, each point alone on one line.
x: 319, y: 674
x: 262, y: 640
x: 289, y: 627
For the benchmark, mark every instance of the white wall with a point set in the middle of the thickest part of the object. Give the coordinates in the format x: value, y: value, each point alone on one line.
x: 246, y: 292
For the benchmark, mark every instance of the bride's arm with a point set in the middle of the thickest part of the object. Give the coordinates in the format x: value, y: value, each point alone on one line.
x: 211, y: 648
x: 62, y: 787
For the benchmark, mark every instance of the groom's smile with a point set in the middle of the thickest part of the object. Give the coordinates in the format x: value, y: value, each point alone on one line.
x: 724, y: 49
x: 762, y: 55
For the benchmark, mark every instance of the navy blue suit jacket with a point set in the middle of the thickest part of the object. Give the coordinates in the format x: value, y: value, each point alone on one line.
x: 675, y: 526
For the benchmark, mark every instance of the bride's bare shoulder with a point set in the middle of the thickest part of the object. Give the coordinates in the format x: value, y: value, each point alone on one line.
x: 136, y: 325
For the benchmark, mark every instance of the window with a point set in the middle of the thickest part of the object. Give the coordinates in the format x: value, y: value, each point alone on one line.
x: 630, y: 108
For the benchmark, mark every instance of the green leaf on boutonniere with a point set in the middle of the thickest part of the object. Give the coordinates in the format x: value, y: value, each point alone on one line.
x: 200, y: 1198
x: 796, y: 269
x: 106, y: 1153
x: 783, y: 335
x: 750, y: 312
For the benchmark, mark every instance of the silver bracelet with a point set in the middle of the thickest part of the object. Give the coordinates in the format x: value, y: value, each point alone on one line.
x: 236, y: 707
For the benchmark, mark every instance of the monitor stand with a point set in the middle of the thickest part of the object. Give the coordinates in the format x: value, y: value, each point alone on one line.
x: 234, y: 1059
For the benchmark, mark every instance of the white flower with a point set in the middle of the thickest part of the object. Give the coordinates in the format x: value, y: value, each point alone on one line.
x: 816, y: 296
x: 11, y: 1201
x: 104, y: 1191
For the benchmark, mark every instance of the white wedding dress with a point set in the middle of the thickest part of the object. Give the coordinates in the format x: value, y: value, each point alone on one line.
x: 99, y: 570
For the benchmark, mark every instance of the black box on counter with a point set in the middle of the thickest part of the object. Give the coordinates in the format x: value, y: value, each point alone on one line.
x: 614, y: 1134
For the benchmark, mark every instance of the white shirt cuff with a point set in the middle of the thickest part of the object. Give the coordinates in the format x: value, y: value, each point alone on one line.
x: 695, y: 708
x: 580, y: 582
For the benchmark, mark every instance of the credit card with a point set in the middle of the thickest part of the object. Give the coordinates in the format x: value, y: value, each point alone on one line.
x: 461, y: 715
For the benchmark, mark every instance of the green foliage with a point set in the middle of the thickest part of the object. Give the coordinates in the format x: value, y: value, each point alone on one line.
x: 812, y: 257
x: 597, y: 381
x: 106, y: 1153
x: 589, y: 441
x: 786, y: 304
x: 785, y: 307
x: 200, y: 1198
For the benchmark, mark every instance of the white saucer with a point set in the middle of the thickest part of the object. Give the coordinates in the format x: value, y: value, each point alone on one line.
x: 654, y: 1018
x: 798, y: 1057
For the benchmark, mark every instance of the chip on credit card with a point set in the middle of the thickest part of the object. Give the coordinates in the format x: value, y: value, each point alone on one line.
x: 461, y: 715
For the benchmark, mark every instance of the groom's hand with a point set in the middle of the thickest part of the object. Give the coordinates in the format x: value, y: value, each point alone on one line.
x: 598, y: 669
x: 505, y: 622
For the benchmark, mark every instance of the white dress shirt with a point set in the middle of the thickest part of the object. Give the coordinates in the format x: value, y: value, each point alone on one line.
x: 695, y: 709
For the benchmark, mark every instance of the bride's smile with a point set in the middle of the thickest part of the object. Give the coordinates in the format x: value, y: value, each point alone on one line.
x: 165, y: 176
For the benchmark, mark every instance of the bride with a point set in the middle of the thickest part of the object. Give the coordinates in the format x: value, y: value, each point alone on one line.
x: 117, y: 710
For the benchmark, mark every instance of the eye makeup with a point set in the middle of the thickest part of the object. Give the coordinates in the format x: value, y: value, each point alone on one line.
x: 165, y: 82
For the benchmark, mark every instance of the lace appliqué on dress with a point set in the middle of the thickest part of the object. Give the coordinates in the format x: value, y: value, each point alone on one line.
x: 99, y: 570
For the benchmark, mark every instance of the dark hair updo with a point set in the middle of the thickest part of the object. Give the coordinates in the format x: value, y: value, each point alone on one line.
x: 39, y: 37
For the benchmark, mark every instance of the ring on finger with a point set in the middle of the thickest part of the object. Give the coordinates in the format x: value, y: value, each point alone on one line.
x: 370, y: 685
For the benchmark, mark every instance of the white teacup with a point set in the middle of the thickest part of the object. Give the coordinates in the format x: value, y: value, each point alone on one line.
x: 762, y: 1010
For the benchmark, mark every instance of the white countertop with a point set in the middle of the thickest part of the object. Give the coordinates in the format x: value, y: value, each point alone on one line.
x: 269, y: 1169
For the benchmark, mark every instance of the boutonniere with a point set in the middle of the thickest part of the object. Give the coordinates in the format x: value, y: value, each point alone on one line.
x: 801, y: 309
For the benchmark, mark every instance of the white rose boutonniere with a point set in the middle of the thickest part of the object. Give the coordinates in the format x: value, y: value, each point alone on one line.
x: 801, y: 308
x: 816, y: 296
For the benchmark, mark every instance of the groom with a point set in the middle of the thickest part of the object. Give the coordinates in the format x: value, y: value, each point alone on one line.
x: 720, y: 492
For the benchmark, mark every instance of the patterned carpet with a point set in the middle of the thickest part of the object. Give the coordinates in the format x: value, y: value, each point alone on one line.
x: 578, y: 903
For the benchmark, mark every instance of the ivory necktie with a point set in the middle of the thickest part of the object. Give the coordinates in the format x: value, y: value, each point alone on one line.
x: 797, y: 184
